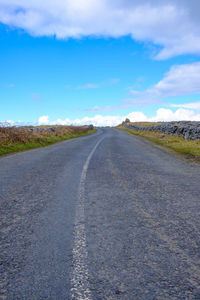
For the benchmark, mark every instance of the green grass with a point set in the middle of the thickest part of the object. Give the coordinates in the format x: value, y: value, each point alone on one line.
x: 44, y: 141
x: 189, y: 148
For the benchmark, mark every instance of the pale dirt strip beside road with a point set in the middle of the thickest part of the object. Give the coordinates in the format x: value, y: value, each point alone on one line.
x: 107, y: 216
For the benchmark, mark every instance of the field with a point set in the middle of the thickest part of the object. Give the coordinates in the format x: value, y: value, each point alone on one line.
x: 15, y: 139
x: 145, y: 124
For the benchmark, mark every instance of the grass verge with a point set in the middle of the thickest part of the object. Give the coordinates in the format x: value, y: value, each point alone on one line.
x: 40, y: 141
x: 188, y: 148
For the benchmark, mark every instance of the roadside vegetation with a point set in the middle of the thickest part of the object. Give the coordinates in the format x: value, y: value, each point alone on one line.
x: 15, y: 139
x: 144, y: 124
x: 189, y: 148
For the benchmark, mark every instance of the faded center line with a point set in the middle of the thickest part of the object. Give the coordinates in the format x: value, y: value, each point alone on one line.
x: 80, y: 275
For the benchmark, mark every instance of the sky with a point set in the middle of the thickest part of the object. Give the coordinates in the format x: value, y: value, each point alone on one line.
x: 99, y: 61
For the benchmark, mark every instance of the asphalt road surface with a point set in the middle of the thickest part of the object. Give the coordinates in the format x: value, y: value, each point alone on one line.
x: 107, y: 216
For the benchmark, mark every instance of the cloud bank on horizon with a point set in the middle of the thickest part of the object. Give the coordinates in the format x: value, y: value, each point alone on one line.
x: 162, y: 114
x: 185, y: 112
x: 173, y: 25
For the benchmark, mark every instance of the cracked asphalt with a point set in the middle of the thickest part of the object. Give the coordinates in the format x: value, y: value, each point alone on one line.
x: 120, y: 211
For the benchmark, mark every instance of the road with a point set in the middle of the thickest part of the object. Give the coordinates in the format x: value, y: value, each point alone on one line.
x: 107, y: 216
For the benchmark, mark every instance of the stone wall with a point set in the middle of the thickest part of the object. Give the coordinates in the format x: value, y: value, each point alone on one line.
x: 185, y: 129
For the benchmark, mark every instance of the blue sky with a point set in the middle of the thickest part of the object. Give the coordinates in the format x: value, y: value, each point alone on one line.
x: 77, y: 64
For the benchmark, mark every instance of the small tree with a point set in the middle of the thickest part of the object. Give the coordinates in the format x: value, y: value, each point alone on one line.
x: 127, y: 120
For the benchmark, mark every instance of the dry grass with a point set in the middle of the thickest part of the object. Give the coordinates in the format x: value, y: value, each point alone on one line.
x: 13, y: 139
x: 189, y: 148
x: 145, y: 124
x: 26, y: 134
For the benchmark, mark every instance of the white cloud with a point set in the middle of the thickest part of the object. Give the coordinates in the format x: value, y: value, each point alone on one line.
x: 179, y: 81
x: 43, y: 120
x: 162, y: 114
x: 191, y: 105
x: 180, y: 114
x: 172, y: 24
x: 136, y: 116
x: 7, y: 123
x: 97, y: 120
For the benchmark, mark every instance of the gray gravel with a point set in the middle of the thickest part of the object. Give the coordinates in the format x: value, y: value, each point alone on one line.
x: 142, y: 220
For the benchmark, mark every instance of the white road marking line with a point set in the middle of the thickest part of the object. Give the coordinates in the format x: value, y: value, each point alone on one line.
x: 80, y: 289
